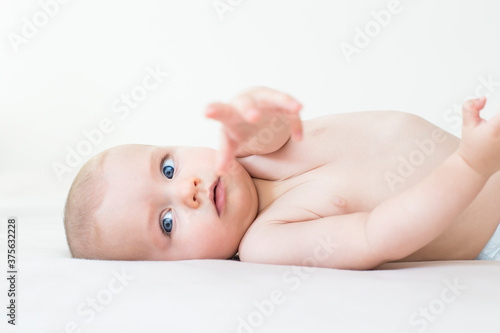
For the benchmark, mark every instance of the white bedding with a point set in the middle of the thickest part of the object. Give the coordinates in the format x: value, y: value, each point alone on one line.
x: 56, y: 292
x: 222, y: 296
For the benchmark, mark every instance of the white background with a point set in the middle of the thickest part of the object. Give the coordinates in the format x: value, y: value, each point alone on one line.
x: 64, y: 79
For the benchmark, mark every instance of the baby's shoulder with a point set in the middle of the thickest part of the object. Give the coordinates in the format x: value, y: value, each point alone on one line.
x: 375, y: 116
x: 376, y: 120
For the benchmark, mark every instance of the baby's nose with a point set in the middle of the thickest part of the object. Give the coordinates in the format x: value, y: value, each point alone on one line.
x: 190, y: 189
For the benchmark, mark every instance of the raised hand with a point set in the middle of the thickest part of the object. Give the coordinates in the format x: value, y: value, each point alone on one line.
x: 480, y: 144
x: 247, y: 115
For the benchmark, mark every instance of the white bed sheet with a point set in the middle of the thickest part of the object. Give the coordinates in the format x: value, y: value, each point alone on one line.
x: 230, y: 296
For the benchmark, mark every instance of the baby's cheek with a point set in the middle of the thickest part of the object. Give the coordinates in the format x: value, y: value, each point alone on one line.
x: 211, y: 243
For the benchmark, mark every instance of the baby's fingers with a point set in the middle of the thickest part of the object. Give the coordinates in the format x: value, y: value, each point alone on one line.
x: 284, y: 103
x: 265, y: 98
x: 495, y: 123
x: 247, y: 107
x: 228, y: 115
x: 269, y: 98
x: 226, y: 154
x: 470, y: 111
x: 296, y: 126
x: 219, y: 111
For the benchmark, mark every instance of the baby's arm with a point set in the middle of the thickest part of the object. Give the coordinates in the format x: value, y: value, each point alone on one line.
x: 397, y: 227
x: 407, y: 222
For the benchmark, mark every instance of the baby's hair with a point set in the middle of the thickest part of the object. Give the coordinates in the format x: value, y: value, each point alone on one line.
x: 84, y: 198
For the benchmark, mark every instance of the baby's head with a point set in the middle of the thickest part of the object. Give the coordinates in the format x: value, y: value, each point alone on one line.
x: 138, y: 202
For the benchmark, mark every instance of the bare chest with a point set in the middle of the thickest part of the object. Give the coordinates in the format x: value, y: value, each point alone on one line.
x: 312, y: 196
x: 344, y: 164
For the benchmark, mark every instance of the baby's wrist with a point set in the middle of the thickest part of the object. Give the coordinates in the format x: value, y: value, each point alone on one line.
x: 482, y: 173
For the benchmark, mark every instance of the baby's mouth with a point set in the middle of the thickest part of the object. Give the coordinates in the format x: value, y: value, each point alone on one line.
x: 218, y: 196
x: 213, y: 194
x: 220, y: 190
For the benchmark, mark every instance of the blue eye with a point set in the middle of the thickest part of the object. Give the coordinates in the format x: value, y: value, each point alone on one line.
x: 168, y: 168
x: 167, y: 223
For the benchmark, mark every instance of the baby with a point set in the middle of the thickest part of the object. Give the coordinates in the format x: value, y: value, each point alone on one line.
x: 348, y: 191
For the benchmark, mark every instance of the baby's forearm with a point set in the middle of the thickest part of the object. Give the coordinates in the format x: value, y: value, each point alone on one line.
x: 412, y: 219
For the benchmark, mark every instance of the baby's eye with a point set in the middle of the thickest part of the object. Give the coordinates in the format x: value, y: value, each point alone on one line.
x: 168, y: 168
x: 167, y: 223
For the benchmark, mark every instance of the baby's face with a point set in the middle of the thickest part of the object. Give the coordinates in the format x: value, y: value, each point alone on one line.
x: 158, y: 205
